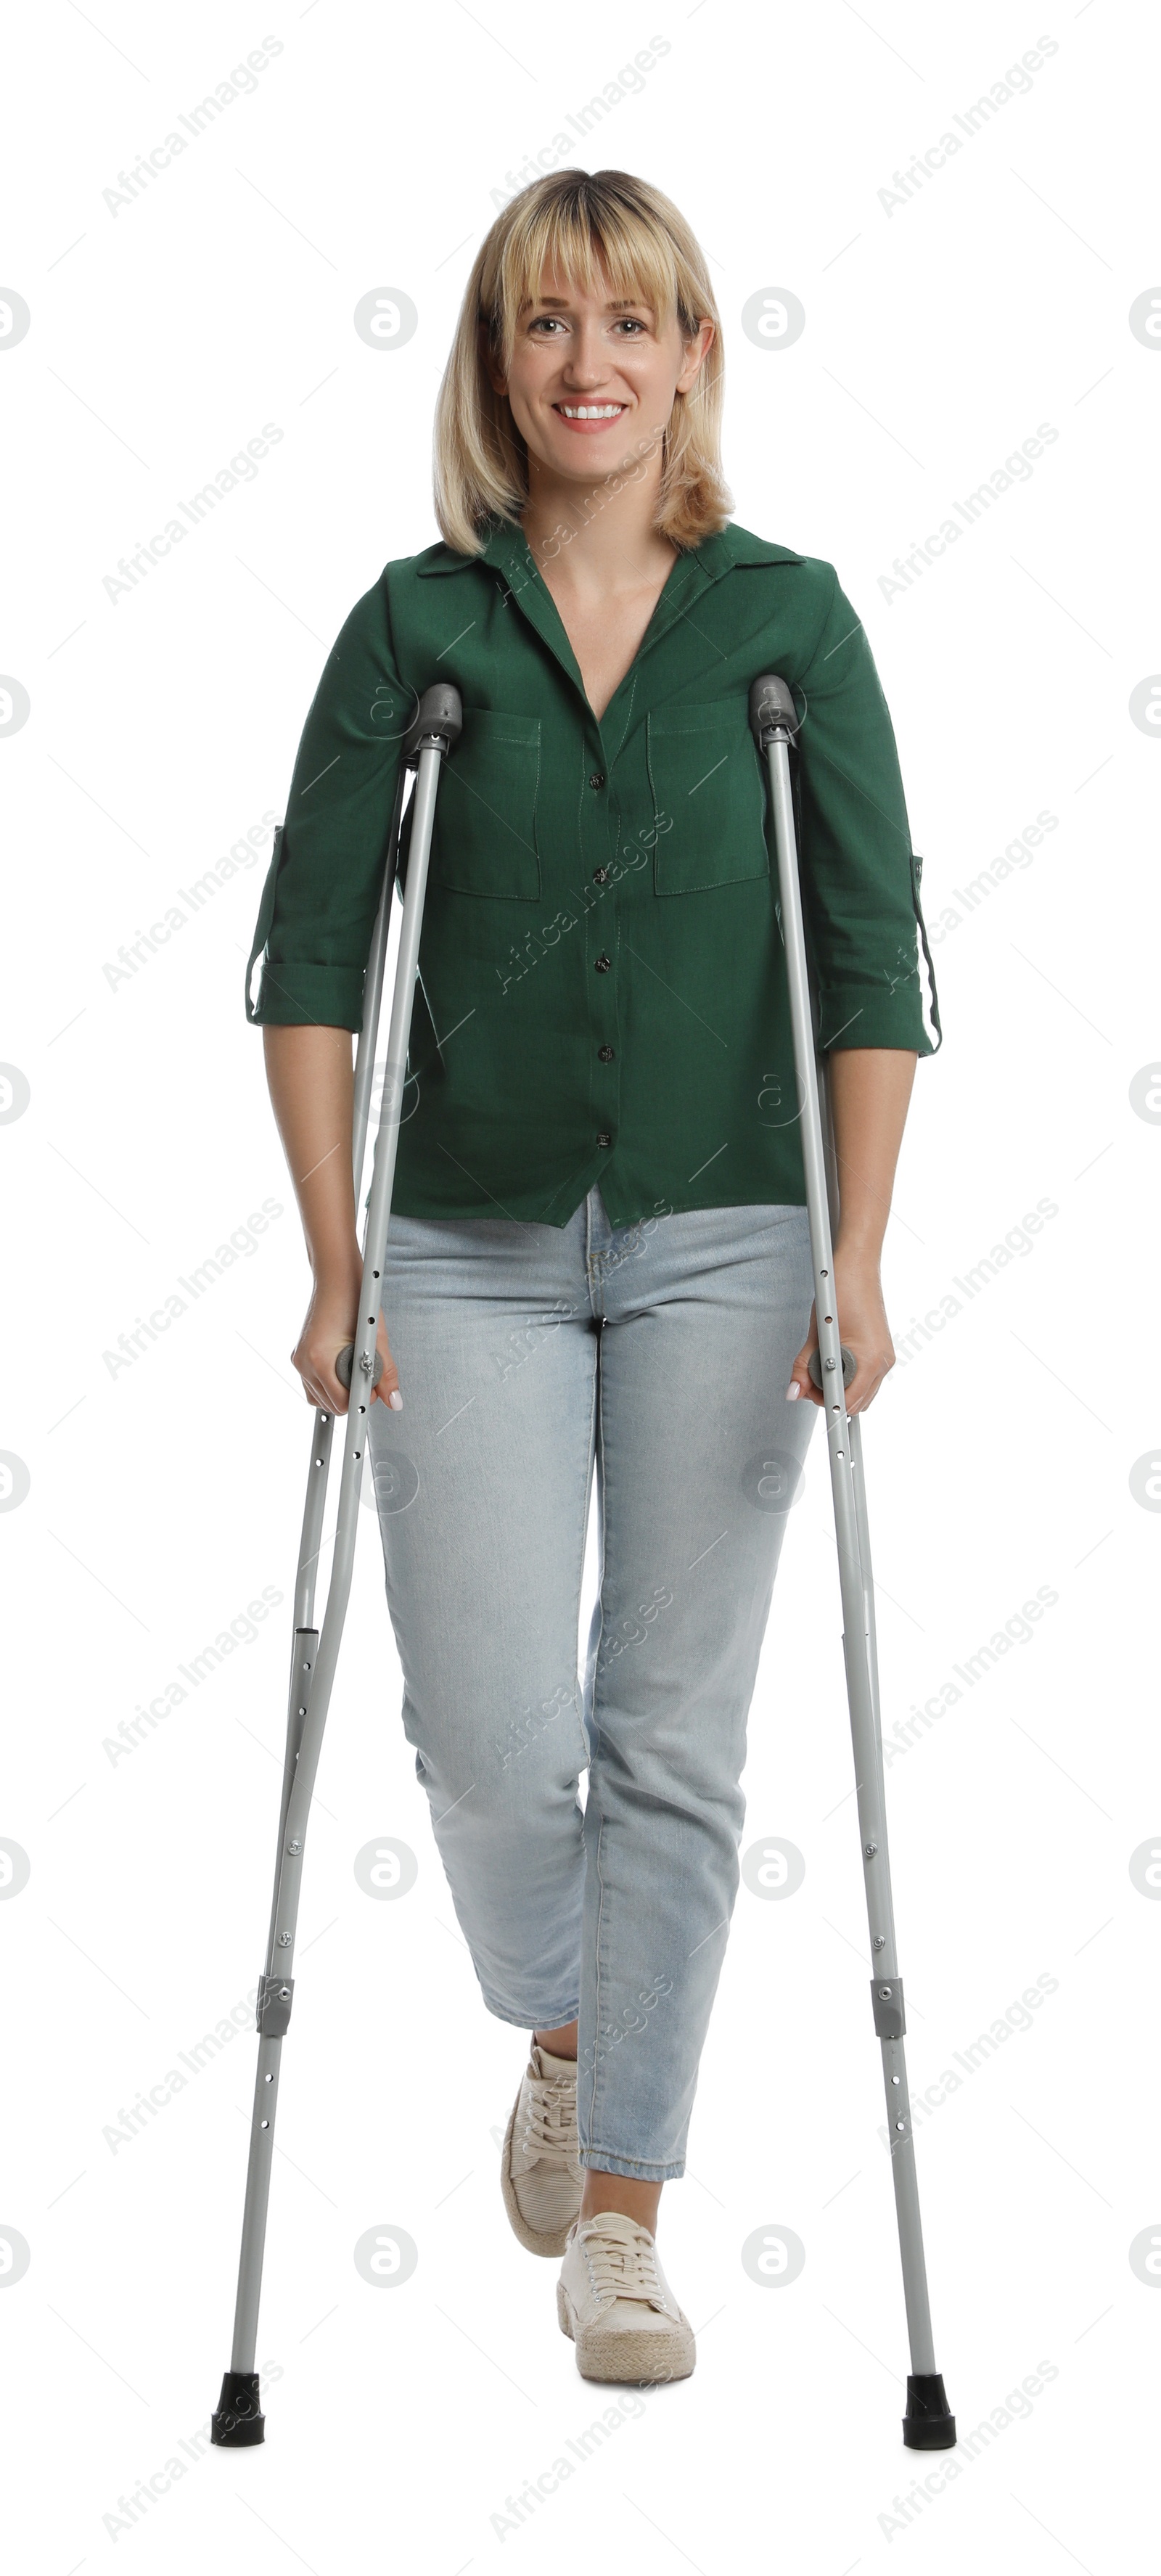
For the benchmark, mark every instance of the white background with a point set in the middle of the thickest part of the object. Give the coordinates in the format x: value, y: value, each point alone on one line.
x: 939, y: 335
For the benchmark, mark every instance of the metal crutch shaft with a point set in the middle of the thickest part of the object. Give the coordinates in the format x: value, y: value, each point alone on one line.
x: 928, y: 2423
x: 238, y: 2421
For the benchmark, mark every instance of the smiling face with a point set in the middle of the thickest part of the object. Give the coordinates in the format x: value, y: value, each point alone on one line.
x: 593, y: 377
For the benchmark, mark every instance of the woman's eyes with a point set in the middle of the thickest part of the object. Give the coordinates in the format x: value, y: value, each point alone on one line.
x: 636, y: 326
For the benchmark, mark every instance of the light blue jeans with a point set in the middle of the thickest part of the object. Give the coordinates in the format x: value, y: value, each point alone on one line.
x: 661, y: 1352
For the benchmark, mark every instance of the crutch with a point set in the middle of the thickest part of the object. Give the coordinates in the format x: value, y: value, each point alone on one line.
x: 238, y: 2420
x: 928, y: 2424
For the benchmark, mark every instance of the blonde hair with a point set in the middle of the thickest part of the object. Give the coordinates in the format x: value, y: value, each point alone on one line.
x: 577, y: 222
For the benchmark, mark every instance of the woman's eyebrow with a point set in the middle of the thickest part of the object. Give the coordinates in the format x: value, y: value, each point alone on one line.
x: 561, y: 303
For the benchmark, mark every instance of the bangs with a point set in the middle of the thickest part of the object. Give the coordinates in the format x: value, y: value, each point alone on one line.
x: 586, y: 237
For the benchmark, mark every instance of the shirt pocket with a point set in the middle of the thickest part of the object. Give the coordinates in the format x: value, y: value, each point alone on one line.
x: 708, y: 801
x: 485, y: 814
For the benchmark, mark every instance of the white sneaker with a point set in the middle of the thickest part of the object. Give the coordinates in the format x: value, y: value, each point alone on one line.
x: 540, y: 2173
x: 615, y: 2302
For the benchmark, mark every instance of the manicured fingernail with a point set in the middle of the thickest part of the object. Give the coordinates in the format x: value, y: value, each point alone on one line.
x: 792, y: 1390
x: 395, y: 1400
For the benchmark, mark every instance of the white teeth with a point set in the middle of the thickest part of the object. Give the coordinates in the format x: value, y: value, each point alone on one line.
x: 591, y: 411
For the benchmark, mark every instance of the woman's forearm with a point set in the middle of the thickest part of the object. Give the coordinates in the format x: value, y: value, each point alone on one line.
x: 870, y: 1089
x: 311, y: 1081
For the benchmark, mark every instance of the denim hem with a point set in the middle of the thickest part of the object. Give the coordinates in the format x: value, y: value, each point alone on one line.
x: 594, y: 2159
x: 541, y: 2021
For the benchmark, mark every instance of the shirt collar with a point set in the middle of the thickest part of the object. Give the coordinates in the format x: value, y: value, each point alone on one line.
x: 505, y: 543
x: 506, y: 550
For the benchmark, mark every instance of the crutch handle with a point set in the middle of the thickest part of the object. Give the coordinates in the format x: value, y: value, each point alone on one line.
x: 346, y: 1360
x: 772, y: 708
x: 850, y: 1365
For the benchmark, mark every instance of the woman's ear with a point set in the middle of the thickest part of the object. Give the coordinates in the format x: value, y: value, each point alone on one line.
x: 696, y: 352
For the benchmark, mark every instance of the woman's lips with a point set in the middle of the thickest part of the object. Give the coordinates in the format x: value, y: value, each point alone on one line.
x: 608, y: 420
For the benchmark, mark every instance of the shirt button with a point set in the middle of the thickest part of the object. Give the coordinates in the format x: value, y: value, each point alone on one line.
x: 598, y: 778
x: 606, y: 1054
x: 604, y: 1140
x: 600, y: 876
x: 602, y: 963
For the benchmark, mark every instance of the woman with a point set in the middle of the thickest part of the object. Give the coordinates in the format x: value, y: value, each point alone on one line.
x: 599, y: 1248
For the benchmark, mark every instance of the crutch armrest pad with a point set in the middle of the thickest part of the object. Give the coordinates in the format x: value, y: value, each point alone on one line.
x: 771, y: 705
x: 439, y: 713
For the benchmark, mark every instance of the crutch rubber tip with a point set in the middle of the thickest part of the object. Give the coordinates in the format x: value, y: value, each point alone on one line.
x: 239, y: 2420
x: 928, y: 2424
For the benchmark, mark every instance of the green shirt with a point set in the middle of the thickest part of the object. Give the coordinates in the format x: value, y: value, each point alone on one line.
x: 602, y: 987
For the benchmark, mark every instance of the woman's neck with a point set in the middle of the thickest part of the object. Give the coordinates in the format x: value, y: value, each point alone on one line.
x: 593, y: 539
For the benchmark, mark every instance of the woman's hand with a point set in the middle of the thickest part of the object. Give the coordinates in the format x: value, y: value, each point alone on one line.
x: 331, y: 1322
x: 863, y: 1325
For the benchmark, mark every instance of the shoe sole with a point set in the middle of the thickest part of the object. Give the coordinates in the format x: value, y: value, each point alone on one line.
x: 552, y: 2245
x: 650, y: 2356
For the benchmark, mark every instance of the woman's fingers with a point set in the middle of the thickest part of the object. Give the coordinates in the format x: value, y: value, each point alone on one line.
x: 864, y: 1386
x: 864, y: 1331
x: 316, y: 1365
x: 315, y: 1362
x: 331, y: 1327
x: 801, y: 1381
x: 387, y: 1389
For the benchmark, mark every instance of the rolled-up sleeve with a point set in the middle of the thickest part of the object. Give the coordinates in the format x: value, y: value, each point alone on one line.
x: 322, y: 889
x: 861, y: 878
